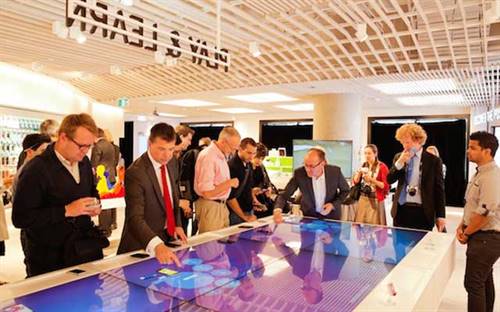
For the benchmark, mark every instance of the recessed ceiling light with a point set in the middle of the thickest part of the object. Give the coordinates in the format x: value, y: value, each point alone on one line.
x: 170, y: 115
x: 236, y: 110
x: 413, y: 87
x: 254, y: 49
x: 188, y: 103
x: 81, y: 38
x: 302, y: 107
x: 262, y: 97
x: 452, y: 99
x: 127, y: 2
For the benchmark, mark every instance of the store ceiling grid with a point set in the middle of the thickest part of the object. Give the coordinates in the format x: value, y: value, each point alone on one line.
x: 308, y: 47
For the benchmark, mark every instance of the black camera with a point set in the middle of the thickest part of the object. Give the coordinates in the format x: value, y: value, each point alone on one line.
x: 366, y: 189
x: 412, y: 190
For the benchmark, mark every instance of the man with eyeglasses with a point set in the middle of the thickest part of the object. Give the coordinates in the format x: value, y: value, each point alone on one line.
x: 323, y: 188
x: 55, y: 199
x: 213, y: 182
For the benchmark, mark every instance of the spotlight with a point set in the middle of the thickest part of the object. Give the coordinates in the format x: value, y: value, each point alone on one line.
x: 81, y: 38
x: 254, y: 49
x: 170, y: 62
x: 115, y: 70
x: 59, y: 29
x: 74, y: 32
x: 36, y: 66
x: 127, y: 2
x: 160, y: 57
x: 361, y: 32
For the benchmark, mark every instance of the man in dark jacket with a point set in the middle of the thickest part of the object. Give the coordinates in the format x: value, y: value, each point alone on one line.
x: 419, y: 201
x: 323, y: 188
x: 55, y: 198
x: 152, y: 216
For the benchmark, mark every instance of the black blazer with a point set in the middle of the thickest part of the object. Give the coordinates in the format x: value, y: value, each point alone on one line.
x: 432, y: 186
x: 336, y: 191
x: 145, y: 210
x: 45, y: 186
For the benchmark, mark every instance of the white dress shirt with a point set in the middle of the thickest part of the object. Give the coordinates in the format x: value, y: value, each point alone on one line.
x: 155, y: 241
x: 73, y: 169
x: 319, y: 190
x: 318, y: 258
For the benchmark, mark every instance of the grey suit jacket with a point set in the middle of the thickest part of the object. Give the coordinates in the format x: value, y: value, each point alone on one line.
x: 336, y: 191
x: 145, y: 214
x: 103, y: 153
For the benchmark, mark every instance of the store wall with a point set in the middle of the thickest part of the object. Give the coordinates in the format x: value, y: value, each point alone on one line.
x: 109, y: 117
x: 415, y: 111
x: 141, y: 131
x: 25, y: 93
x: 27, y: 90
x: 249, y: 125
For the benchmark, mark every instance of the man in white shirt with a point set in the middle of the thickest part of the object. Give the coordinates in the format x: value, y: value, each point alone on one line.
x: 152, y: 216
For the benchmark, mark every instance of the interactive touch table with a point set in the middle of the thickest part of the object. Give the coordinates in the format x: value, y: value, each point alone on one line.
x: 300, y: 265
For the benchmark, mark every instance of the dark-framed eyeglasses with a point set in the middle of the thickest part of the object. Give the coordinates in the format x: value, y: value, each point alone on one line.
x: 313, y: 166
x: 81, y: 146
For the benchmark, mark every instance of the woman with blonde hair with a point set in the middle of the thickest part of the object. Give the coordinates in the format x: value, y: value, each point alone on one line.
x: 374, y: 188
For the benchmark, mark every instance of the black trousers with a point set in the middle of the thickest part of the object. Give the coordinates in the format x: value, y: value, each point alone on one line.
x: 483, y: 250
x: 412, y: 216
x: 42, y: 259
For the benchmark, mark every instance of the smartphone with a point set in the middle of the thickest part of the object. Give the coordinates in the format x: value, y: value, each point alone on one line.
x: 167, y: 272
x: 140, y: 255
x: 243, y: 226
x: 172, y: 244
x: 76, y: 271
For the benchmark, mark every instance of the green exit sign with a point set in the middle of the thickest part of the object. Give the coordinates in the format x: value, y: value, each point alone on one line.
x: 122, y: 102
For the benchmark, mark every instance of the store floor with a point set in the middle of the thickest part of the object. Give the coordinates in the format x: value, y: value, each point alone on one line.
x: 454, y: 298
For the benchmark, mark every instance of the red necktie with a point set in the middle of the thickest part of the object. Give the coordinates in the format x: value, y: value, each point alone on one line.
x: 170, y: 223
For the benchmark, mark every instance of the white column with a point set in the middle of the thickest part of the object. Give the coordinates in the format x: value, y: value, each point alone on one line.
x: 338, y: 117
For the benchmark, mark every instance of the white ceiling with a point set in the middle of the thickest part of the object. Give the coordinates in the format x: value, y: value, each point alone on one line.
x: 308, y: 47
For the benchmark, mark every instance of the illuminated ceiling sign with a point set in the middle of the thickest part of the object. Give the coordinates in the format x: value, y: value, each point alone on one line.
x: 489, y: 116
x: 134, y: 30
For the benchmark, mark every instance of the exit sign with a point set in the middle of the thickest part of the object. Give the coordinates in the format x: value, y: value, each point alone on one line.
x: 122, y: 102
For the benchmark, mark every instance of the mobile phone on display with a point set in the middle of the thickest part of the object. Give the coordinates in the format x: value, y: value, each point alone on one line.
x: 76, y: 271
x: 167, y: 272
x: 243, y: 226
x: 140, y: 255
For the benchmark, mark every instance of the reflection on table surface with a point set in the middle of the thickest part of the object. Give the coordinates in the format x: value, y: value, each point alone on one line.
x: 304, y: 263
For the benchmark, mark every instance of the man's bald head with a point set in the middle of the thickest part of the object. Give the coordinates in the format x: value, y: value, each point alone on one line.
x: 315, y: 161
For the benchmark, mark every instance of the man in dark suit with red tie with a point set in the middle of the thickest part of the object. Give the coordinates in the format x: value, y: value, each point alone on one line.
x: 152, y: 216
